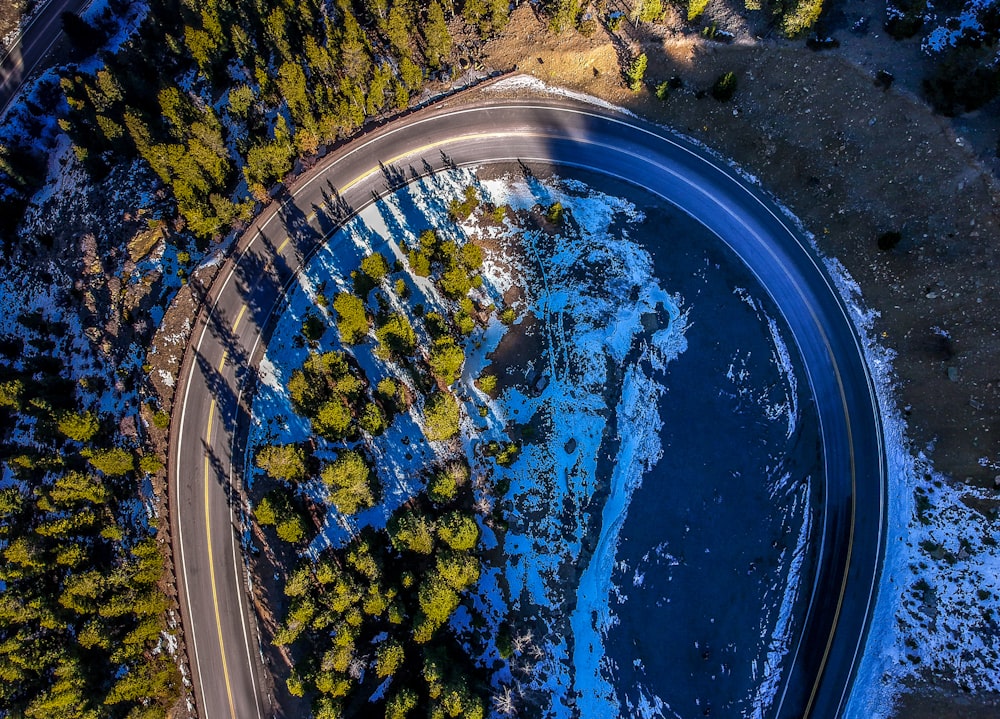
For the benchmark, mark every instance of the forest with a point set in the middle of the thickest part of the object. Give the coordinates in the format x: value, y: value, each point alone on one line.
x: 221, y: 98
x: 83, y: 613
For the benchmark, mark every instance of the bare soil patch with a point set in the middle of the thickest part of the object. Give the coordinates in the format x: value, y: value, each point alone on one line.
x: 853, y: 161
x: 11, y: 12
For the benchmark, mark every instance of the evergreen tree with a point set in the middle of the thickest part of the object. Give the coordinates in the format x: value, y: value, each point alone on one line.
x: 635, y: 71
x: 437, y: 39
x: 79, y: 426
x: 441, y: 417
x: 285, y: 462
x: 446, y: 360
x: 352, y: 322
x: 350, y: 483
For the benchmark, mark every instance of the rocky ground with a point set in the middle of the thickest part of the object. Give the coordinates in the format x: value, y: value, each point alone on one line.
x: 11, y: 13
x: 853, y: 160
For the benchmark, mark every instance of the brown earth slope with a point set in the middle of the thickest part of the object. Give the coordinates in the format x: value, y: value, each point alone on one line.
x: 853, y: 161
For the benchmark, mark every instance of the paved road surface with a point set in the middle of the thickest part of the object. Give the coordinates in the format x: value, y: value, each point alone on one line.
x: 30, y: 49
x: 213, y: 412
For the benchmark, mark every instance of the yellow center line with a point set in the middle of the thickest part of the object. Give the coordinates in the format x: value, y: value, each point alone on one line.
x: 239, y: 317
x: 211, y: 566
x: 287, y: 240
x: 222, y: 362
x: 850, y: 539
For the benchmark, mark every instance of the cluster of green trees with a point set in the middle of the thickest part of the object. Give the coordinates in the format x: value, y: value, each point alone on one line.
x: 375, y: 613
x: 212, y: 93
x: 378, y: 609
x: 350, y: 483
x: 455, y: 268
x: 81, y: 609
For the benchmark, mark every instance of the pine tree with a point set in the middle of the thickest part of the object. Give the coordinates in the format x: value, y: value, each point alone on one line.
x: 441, y: 417
x: 397, y: 29
x: 292, y: 86
x: 350, y: 483
x: 285, y: 462
x: 352, y: 322
x: 112, y: 462
x: 437, y: 39
x: 446, y: 360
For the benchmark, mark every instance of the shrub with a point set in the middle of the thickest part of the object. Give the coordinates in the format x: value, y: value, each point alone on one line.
x: 459, y: 570
x: 554, y: 213
x: 420, y: 264
x: 488, y: 383
x: 436, y: 326
x: 498, y: 213
x: 441, y: 417
x: 471, y: 255
x: 291, y: 529
x: 904, y: 18
x: 508, y: 316
x: 112, y: 462
x: 401, y: 705
x: 313, y: 327
x: 464, y: 323
x: 444, y: 483
x: 459, y: 531
x: 11, y: 394
x: 695, y: 8
x: 372, y: 420
x: 456, y: 282
x: 504, y: 452
x: 396, y: 337
x: 437, y: 601
x: 725, y: 87
x: 265, y: 512
x: 888, y: 240
x: 392, y: 394
x: 150, y: 464
x: 161, y: 419
x: 412, y: 531
x: 324, y: 389
x: 461, y: 209
x: 388, y: 658
x: 964, y: 79
x: 663, y: 90
x: 333, y: 420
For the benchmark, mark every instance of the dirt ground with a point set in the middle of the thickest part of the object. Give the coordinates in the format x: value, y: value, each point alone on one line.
x: 11, y: 12
x: 852, y: 160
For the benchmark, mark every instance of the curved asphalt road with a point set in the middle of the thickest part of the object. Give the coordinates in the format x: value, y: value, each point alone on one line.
x: 227, y: 341
x: 34, y: 43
